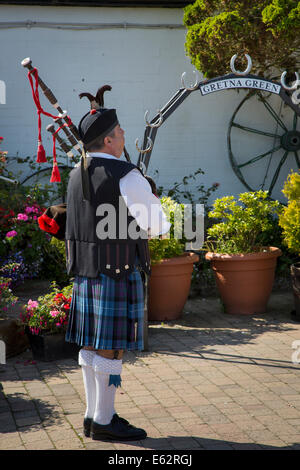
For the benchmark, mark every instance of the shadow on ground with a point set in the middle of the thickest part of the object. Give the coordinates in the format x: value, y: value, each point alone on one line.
x: 19, y: 410
x: 38, y: 414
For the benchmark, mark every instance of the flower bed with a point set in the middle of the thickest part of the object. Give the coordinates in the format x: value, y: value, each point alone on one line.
x: 49, y: 313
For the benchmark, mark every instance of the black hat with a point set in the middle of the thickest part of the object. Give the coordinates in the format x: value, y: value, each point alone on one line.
x: 97, y: 123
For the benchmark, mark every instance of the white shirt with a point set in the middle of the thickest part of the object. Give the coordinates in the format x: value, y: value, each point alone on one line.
x: 141, y: 202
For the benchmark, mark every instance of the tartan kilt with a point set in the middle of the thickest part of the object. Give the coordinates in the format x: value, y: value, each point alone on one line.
x: 106, y: 313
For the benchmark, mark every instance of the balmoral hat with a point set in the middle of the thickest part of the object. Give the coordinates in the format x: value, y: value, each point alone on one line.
x: 98, y: 122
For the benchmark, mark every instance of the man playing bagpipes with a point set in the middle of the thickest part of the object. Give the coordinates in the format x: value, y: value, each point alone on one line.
x: 107, y: 308
x: 109, y: 266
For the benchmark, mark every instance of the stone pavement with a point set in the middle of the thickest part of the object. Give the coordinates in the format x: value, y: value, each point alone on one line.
x: 208, y: 381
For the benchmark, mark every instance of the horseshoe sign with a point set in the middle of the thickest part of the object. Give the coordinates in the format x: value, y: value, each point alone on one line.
x: 285, y: 140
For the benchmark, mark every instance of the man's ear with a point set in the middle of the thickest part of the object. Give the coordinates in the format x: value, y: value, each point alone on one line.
x: 106, y: 140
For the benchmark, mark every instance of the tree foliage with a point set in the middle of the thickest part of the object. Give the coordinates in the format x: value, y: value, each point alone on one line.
x: 267, y: 30
x: 290, y: 218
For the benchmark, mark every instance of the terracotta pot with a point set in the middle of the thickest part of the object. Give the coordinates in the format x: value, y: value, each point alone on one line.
x: 295, y: 275
x: 245, y: 281
x: 169, y: 287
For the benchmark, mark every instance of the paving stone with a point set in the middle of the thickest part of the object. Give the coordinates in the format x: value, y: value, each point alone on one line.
x: 209, y: 381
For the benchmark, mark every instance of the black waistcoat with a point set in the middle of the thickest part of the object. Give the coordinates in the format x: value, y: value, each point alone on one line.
x: 88, y: 252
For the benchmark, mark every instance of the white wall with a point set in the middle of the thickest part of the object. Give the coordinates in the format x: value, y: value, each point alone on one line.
x: 144, y: 67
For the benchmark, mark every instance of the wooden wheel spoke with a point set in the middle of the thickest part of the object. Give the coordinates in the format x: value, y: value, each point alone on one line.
x: 276, y: 174
x: 259, y: 157
x: 295, y: 121
x: 255, y: 131
x: 274, y: 114
x: 297, y: 159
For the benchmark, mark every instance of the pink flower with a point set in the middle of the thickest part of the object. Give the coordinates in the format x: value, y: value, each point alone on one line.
x: 32, y: 303
x: 29, y: 209
x: 23, y: 217
x: 54, y: 313
x: 11, y: 234
x: 58, y: 324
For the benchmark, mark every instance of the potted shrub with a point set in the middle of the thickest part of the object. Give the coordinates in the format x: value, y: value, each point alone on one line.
x: 171, y: 270
x: 289, y: 221
x: 45, y: 322
x: 244, y: 269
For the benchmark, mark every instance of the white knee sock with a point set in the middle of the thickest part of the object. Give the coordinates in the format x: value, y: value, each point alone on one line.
x: 85, y: 360
x: 105, y: 393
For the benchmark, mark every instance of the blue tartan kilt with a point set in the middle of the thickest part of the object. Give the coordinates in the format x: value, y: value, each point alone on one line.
x: 107, y: 313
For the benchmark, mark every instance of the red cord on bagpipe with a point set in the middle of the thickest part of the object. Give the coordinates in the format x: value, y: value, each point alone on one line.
x: 55, y: 176
x: 41, y: 154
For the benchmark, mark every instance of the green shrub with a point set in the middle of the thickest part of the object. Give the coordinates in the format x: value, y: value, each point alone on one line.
x: 268, y: 30
x: 289, y: 219
x: 162, y: 248
x: 242, y: 224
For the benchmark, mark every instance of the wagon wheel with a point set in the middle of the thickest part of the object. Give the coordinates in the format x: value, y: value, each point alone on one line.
x: 278, y: 140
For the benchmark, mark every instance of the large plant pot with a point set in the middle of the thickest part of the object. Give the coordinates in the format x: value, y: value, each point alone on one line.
x: 51, y: 347
x: 169, y: 287
x: 245, y: 281
x: 295, y: 275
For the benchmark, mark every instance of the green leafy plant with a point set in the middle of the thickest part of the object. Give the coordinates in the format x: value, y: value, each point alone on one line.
x: 289, y: 219
x: 2, y: 158
x: 25, y: 235
x: 169, y: 246
x: 242, y: 224
x: 54, y: 262
x: 50, y: 312
x: 7, y: 298
x: 268, y: 30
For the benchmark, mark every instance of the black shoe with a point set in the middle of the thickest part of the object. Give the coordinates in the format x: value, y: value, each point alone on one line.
x: 87, y: 423
x: 118, y: 429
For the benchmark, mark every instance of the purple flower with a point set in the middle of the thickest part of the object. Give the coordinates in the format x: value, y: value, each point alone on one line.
x: 29, y: 209
x: 11, y: 234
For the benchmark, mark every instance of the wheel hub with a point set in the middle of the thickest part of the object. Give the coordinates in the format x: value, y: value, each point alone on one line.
x: 291, y: 141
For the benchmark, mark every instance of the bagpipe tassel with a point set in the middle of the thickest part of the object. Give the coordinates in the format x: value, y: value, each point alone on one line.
x: 55, y: 176
x: 41, y: 154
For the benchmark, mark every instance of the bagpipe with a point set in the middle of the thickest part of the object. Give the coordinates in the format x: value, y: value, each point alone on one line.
x: 53, y: 220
